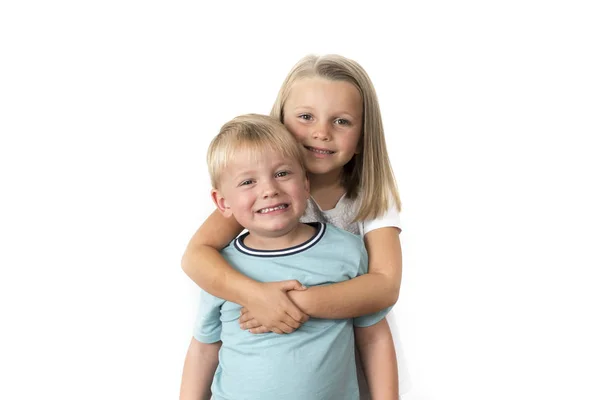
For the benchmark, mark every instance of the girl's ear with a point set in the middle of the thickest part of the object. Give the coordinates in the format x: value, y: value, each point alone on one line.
x: 359, y: 145
x: 307, y: 186
x: 221, y: 203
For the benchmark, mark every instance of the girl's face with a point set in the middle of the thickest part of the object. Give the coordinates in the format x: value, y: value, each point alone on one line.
x: 326, y: 117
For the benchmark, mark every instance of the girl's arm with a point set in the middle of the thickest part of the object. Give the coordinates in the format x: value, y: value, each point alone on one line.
x: 365, y: 294
x: 203, y: 263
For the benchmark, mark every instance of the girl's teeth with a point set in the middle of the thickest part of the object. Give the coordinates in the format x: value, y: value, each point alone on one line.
x: 321, y: 151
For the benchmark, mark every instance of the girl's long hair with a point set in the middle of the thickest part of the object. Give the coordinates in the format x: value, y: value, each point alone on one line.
x: 368, y: 176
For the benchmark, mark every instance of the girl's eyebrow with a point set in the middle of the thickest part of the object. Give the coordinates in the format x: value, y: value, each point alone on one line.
x: 337, y: 112
x: 302, y: 108
x: 353, y: 115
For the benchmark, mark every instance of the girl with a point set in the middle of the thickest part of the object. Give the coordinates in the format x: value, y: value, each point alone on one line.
x: 329, y: 104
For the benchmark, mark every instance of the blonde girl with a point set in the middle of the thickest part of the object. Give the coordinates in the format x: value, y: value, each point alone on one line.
x: 329, y: 104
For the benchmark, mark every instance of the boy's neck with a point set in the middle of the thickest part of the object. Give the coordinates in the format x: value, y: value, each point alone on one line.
x: 298, y: 235
x: 326, y: 189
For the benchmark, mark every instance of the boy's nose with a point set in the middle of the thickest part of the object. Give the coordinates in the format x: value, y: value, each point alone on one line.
x: 270, y: 190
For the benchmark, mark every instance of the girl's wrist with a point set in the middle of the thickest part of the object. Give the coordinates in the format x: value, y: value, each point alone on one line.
x: 248, y: 289
x: 302, y: 300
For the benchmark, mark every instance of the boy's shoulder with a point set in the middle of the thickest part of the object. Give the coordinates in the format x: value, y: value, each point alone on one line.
x: 337, y: 234
x: 228, y: 250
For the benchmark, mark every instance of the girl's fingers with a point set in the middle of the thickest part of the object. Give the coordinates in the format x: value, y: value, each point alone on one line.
x: 292, y: 323
x: 250, y: 324
x: 297, y: 315
x: 286, y: 328
x: 277, y: 331
x: 253, y: 326
x: 245, y: 318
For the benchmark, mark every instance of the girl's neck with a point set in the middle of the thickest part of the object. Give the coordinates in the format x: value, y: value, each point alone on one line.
x: 326, y: 189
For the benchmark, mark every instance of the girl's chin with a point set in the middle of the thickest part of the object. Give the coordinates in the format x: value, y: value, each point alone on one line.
x: 323, y: 170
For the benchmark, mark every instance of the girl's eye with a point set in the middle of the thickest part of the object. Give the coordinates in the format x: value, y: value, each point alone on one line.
x: 342, y: 121
x: 306, y: 117
x: 281, y: 174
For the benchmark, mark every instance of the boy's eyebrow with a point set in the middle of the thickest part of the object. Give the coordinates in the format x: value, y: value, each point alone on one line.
x: 286, y: 164
x: 243, y: 173
x: 251, y: 172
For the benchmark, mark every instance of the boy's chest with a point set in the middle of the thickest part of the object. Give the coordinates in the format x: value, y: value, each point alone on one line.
x: 310, y: 271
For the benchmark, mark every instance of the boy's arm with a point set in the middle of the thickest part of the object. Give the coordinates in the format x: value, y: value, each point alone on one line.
x: 378, y: 356
x: 203, y: 263
x: 201, y: 362
x: 365, y: 294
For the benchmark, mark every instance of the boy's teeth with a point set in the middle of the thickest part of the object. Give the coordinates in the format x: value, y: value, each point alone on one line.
x: 266, y: 210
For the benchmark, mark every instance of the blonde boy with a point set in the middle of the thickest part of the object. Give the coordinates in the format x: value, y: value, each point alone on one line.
x: 258, y: 177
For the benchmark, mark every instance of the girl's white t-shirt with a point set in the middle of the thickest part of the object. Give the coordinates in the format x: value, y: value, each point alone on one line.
x: 343, y: 213
x: 341, y: 216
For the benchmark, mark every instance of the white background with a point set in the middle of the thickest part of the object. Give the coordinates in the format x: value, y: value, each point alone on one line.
x: 491, y: 112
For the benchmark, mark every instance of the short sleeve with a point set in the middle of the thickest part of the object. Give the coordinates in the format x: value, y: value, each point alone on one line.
x: 207, y: 328
x: 391, y: 218
x: 369, y: 319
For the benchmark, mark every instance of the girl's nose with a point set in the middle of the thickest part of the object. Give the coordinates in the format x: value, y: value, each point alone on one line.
x: 321, y: 132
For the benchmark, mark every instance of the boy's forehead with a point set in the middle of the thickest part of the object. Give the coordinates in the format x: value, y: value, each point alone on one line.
x: 251, y: 158
x: 250, y: 154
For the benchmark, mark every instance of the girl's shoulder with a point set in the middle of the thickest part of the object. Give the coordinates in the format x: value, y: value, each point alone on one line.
x: 389, y: 218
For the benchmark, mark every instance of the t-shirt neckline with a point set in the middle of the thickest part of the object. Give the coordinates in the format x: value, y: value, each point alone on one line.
x: 239, y: 245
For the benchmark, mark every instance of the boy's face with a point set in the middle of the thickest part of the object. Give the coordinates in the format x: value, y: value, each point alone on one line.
x: 266, y: 193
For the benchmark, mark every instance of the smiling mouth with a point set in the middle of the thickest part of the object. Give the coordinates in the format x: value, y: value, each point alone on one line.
x: 271, y: 209
x: 318, y: 151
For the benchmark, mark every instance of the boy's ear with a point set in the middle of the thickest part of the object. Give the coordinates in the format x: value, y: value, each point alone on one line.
x: 221, y: 203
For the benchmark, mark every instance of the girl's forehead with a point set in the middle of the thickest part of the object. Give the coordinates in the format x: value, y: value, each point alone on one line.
x: 317, y: 91
x: 321, y: 84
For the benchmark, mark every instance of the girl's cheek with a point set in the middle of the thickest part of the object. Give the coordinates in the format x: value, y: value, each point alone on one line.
x: 293, y: 128
x: 296, y: 134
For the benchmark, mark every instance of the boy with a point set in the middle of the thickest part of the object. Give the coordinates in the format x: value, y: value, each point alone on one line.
x: 258, y: 177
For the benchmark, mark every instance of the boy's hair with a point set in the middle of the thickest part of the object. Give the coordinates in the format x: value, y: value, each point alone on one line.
x: 369, y: 174
x: 258, y: 133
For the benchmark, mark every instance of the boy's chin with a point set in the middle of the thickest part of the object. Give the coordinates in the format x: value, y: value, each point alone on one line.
x: 275, y: 230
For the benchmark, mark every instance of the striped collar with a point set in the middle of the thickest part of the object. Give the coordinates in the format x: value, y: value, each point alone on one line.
x: 241, y: 247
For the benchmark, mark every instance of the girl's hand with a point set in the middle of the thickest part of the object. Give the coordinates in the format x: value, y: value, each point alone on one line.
x: 269, y: 309
x: 249, y: 323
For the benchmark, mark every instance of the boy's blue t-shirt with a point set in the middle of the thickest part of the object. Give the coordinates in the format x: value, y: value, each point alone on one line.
x: 314, y: 362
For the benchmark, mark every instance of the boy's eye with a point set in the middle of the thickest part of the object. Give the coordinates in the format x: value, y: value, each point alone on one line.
x: 281, y: 174
x: 246, y: 182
